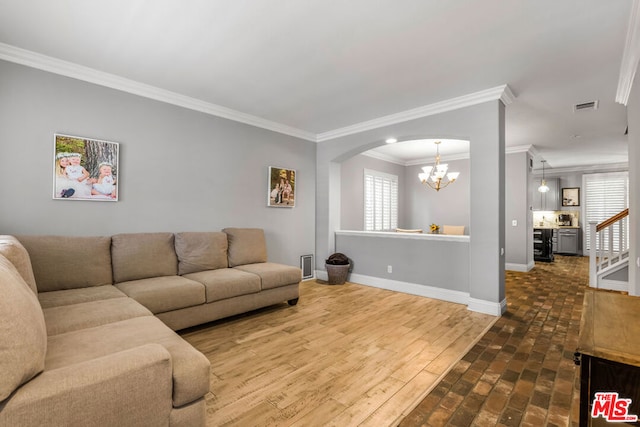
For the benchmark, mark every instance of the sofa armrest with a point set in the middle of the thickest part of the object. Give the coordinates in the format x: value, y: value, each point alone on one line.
x: 131, y: 387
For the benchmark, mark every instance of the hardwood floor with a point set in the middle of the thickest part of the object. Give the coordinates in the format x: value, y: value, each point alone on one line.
x: 346, y: 355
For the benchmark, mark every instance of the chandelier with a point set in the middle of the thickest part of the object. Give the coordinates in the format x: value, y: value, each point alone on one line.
x: 433, y: 176
x: 543, y: 185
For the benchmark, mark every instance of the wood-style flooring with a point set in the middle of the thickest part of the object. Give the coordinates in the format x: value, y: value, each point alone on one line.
x: 346, y: 355
x: 522, y: 372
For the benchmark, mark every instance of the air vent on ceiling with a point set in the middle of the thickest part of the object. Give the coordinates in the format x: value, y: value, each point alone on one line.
x: 584, y: 106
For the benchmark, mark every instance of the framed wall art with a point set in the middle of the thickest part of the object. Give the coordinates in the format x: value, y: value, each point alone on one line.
x: 282, y: 187
x: 85, y: 169
x: 571, y: 196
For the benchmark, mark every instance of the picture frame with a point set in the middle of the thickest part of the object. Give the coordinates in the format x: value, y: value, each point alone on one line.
x: 571, y: 196
x: 282, y: 187
x: 85, y: 168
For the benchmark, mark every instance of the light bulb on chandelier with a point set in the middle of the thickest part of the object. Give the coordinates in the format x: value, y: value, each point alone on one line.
x: 433, y: 176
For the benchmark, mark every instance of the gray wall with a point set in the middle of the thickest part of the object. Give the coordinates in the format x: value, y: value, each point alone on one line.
x: 440, y: 264
x: 481, y: 124
x: 180, y: 170
x: 448, y: 206
x: 518, y: 239
x: 418, y: 205
x: 352, y: 190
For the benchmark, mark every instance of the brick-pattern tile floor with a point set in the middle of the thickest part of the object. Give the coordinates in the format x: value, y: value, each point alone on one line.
x: 521, y: 373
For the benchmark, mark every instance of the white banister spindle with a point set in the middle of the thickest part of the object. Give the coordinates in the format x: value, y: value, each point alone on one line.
x: 593, y: 254
x: 607, y: 251
x: 624, y: 236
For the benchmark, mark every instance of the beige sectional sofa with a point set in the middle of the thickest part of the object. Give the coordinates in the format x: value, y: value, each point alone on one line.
x: 87, y: 323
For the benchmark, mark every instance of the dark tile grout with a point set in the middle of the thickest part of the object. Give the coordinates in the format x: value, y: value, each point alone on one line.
x: 521, y: 372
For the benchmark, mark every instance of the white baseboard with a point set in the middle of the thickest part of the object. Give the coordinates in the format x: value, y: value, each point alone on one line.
x: 487, y: 307
x: 519, y: 267
x: 321, y: 274
x: 458, y: 297
x: 411, y: 288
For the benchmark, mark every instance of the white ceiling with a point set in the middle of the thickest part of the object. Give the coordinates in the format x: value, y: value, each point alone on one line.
x: 321, y: 65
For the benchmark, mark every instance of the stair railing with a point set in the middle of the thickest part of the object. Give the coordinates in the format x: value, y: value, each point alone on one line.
x: 603, y: 253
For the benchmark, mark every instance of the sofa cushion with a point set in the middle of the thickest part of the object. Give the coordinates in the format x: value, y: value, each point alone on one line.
x: 63, y: 262
x: 15, y: 252
x: 23, y: 335
x: 226, y: 283
x: 77, y: 296
x: 274, y: 275
x: 190, y: 367
x: 246, y: 246
x: 167, y: 293
x: 90, y: 314
x: 201, y: 251
x: 143, y: 255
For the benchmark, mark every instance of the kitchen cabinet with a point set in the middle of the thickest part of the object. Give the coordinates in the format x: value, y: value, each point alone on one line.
x: 568, y: 241
x: 549, y: 201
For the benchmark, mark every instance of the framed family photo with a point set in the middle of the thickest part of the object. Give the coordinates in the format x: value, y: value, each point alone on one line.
x: 282, y: 187
x: 85, y: 169
x: 571, y: 196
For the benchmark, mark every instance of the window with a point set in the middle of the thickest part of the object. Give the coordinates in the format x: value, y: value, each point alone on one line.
x: 380, y: 201
x: 606, y: 194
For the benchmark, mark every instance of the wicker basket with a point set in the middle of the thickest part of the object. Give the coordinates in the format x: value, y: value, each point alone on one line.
x: 337, y: 273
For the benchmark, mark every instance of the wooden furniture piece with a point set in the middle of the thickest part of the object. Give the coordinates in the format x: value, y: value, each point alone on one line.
x: 609, y: 352
x: 456, y: 230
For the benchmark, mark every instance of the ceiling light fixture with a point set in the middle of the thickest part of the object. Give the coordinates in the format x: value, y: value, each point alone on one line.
x: 391, y: 141
x: 543, y: 185
x: 435, y: 181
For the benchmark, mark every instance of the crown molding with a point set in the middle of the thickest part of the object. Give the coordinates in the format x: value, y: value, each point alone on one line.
x: 443, y: 159
x: 630, y: 56
x: 79, y: 72
x: 519, y: 149
x: 607, y: 167
x: 503, y: 93
x: 383, y: 157
x: 90, y: 75
x: 415, y: 162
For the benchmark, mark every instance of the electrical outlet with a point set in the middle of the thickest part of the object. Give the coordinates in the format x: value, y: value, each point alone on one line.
x: 389, y: 269
x: 514, y: 223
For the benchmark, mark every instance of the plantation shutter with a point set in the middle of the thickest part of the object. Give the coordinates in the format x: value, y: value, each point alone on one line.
x: 606, y: 194
x: 380, y: 201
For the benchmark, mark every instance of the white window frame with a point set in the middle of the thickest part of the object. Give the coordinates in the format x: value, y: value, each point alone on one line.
x: 607, y: 211
x: 380, y: 201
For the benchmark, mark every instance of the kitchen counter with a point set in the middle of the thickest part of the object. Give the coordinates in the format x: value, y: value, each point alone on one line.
x: 554, y: 227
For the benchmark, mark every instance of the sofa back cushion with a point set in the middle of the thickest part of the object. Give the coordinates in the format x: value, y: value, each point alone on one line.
x: 143, y: 255
x: 23, y: 335
x: 12, y: 249
x: 64, y: 262
x: 246, y: 246
x: 201, y: 251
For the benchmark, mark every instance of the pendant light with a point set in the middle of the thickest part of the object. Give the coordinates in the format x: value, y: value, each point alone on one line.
x: 543, y: 185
